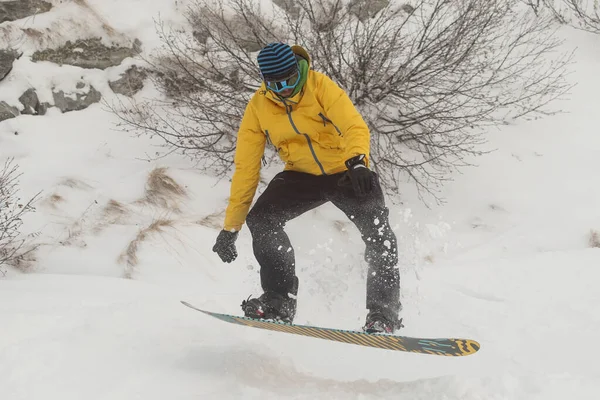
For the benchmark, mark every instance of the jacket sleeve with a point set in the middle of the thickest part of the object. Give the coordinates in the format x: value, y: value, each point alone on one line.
x: 341, y: 111
x: 249, y: 151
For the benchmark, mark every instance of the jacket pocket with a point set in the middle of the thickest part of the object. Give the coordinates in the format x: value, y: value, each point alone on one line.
x: 330, y: 141
x: 283, y: 150
x: 327, y: 120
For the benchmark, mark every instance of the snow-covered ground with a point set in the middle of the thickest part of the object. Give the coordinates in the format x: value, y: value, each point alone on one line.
x: 505, y: 261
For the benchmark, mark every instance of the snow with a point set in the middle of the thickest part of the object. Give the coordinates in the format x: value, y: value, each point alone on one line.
x: 505, y: 261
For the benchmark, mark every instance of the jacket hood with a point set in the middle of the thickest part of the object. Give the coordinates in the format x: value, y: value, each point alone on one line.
x: 300, y: 51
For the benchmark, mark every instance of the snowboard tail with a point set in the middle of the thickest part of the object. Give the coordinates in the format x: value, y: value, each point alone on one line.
x: 441, y: 347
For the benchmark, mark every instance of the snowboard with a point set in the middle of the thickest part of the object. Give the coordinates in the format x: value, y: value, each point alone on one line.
x: 440, y: 347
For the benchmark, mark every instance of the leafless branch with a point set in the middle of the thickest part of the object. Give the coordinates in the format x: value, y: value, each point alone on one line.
x: 430, y: 78
x: 581, y: 14
x: 12, y: 210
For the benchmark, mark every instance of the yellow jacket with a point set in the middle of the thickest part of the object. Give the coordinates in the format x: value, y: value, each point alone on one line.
x: 314, y: 132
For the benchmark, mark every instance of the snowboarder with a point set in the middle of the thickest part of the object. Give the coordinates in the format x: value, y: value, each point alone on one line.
x: 324, y: 143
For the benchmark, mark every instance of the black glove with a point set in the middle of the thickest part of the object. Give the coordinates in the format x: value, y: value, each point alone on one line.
x: 225, y: 246
x: 358, y: 175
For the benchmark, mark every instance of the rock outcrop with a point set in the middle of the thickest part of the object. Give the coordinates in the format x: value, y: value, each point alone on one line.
x: 90, y: 53
x: 289, y: 6
x: 7, y: 112
x: 7, y: 57
x: 31, y: 103
x: 365, y: 9
x: 131, y: 82
x: 78, y: 99
x: 14, y: 10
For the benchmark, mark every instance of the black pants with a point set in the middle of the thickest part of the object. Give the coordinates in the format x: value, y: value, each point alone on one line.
x: 291, y: 194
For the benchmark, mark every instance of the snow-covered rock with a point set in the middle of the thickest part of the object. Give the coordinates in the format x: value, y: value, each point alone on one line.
x: 31, y: 103
x: 14, y: 10
x: 88, y: 53
x: 7, y: 58
x: 80, y: 98
x: 130, y: 82
x: 7, y: 111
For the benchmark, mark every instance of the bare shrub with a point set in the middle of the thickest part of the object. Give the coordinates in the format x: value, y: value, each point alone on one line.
x: 129, y: 256
x: 429, y: 259
x: 430, y: 78
x: 214, y: 220
x: 74, y: 183
x: 12, y: 210
x: 585, y: 14
x: 594, y: 240
x: 581, y: 14
x: 113, y: 213
x: 162, y: 190
x: 76, y: 231
x: 55, y: 199
x: 540, y: 6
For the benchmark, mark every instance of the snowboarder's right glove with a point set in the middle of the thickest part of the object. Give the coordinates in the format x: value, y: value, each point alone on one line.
x: 225, y: 246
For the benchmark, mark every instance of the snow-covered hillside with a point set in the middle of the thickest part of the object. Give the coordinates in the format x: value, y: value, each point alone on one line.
x: 506, y: 261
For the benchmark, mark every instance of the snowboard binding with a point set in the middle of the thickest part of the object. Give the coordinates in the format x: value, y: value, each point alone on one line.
x: 270, y: 306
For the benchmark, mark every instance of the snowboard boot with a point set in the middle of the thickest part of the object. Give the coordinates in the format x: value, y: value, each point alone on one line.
x: 270, y: 305
x: 380, y: 322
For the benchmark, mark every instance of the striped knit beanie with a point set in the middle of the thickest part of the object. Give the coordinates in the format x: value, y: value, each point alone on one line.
x: 276, y: 60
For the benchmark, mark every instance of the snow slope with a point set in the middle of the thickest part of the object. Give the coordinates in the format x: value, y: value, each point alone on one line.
x: 505, y: 261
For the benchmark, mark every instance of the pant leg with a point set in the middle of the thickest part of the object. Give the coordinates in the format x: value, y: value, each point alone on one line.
x: 370, y: 215
x: 287, y: 196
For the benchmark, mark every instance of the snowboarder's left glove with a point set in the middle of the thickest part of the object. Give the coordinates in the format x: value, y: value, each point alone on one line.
x: 358, y: 175
x: 225, y: 246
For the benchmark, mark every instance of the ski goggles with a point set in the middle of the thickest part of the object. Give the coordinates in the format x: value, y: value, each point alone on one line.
x: 279, y: 84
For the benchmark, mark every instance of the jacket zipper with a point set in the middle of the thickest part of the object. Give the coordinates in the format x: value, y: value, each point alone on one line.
x: 310, y: 145
x: 325, y: 120
x: 268, y: 137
